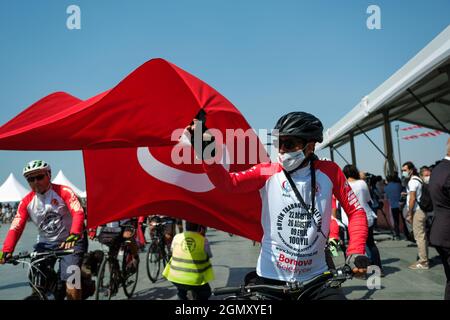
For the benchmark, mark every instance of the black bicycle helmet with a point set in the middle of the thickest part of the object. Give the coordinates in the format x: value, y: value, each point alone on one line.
x: 300, y: 124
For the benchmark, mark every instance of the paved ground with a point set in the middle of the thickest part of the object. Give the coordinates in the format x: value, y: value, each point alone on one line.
x: 401, y: 282
x: 235, y: 256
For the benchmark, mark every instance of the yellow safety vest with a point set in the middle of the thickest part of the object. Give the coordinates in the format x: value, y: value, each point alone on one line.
x: 189, y: 264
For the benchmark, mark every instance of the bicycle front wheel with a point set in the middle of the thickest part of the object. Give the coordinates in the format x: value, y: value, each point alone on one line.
x: 104, y: 289
x: 153, y: 261
x: 130, y: 272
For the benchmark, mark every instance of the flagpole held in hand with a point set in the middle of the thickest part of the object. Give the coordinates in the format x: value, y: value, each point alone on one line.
x: 200, y: 138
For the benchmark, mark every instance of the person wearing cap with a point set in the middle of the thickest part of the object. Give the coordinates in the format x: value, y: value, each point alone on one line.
x: 59, y: 217
x: 296, y: 204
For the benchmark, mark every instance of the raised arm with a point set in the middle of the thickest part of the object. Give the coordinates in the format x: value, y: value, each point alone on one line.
x: 249, y: 180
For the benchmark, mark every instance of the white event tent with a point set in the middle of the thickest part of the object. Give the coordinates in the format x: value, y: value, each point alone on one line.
x: 418, y: 93
x: 62, y: 179
x: 12, y: 191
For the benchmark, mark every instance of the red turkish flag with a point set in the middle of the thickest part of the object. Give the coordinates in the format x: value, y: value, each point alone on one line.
x: 139, y: 111
x: 126, y: 137
x: 143, y: 181
x: 140, y: 181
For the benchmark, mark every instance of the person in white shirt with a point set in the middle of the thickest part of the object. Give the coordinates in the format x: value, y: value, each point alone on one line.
x: 415, y: 215
x: 361, y: 190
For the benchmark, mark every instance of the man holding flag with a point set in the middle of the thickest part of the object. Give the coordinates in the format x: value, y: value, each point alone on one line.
x: 296, y: 195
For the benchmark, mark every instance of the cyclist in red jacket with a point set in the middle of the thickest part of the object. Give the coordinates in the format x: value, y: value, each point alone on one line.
x: 58, y: 214
x: 296, y: 194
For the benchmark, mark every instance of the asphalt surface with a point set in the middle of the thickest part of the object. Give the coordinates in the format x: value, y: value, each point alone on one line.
x: 234, y: 257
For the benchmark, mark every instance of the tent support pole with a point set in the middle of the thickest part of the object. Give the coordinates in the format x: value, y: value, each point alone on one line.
x: 337, y: 151
x: 331, y: 153
x: 352, y: 148
x: 387, y: 137
x: 374, y: 144
x: 428, y: 110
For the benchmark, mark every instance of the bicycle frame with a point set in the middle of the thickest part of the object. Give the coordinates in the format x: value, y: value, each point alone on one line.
x: 159, y: 235
x: 34, y: 272
x: 117, y: 276
x: 158, y: 250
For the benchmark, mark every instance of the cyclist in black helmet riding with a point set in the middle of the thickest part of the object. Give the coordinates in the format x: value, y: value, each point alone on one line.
x: 296, y: 204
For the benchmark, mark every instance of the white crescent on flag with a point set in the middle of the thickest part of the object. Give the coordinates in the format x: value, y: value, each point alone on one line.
x: 194, y: 182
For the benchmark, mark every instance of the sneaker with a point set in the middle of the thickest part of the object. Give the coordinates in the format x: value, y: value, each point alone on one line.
x: 419, y: 266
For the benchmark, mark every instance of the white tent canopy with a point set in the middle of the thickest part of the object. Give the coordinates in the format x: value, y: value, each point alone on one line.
x: 62, y: 179
x: 12, y: 191
x: 427, y: 76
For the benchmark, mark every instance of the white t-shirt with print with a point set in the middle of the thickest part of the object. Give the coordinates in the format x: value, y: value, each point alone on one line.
x: 363, y: 194
x: 414, y: 184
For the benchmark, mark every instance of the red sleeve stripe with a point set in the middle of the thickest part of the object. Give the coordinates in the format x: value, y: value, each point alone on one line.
x: 18, y: 224
x: 357, y: 220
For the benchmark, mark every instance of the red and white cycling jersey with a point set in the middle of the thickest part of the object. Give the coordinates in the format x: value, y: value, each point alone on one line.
x: 292, y: 248
x: 57, y: 213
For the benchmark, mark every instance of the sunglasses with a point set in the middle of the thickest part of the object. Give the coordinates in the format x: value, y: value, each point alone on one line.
x: 38, y: 178
x: 288, y: 144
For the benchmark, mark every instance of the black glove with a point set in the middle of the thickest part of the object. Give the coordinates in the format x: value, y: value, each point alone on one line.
x: 359, y: 261
x: 207, y: 139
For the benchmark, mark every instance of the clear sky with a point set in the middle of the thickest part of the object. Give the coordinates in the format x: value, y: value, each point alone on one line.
x: 267, y: 57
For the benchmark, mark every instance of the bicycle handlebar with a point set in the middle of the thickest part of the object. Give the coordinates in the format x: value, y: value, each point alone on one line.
x: 252, y: 288
x: 45, y: 254
x: 228, y: 290
x: 339, y: 274
x: 157, y: 223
